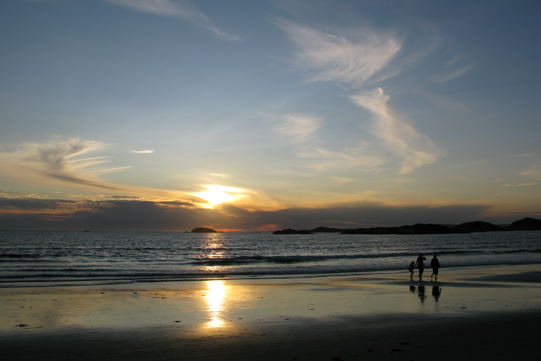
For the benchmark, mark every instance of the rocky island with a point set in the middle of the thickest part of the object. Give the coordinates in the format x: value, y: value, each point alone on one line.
x: 203, y: 230
x: 525, y: 224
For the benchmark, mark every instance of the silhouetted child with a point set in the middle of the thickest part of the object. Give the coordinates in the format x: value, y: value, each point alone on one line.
x: 411, y: 268
x: 435, y: 265
x: 420, y: 265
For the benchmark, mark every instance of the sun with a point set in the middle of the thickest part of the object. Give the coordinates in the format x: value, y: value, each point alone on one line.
x: 217, y: 194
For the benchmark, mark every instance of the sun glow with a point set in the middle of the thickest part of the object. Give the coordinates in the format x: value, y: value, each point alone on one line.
x: 214, y: 195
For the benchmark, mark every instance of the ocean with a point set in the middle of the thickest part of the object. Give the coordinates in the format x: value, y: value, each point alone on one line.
x: 77, y: 258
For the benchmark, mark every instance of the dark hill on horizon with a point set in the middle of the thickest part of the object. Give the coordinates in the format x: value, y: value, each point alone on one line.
x: 526, y: 224
x: 529, y: 224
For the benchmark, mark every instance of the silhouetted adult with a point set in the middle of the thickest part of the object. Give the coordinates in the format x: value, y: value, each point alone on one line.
x: 435, y: 265
x: 420, y: 265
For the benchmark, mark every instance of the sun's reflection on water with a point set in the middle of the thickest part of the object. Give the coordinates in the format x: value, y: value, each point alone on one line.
x: 215, y: 298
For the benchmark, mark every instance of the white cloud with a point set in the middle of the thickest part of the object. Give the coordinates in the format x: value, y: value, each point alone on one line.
x: 342, y: 180
x: 451, y: 74
x: 355, y: 62
x: 329, y: 159
x: 61, y: 161
x: 218, y: 175
x: 400, y: 137
x: 180, y: 9
x: 143, y: 151
x: 298, y: 127
x: 65, y: 163
x: 337, y: 58
x: 518, y: 185
x: 534, y: 173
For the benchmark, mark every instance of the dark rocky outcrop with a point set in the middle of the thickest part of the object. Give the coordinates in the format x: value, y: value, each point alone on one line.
x: 529, y: 224
x: 526, y: 224
x: 421, y: 228
x: 377, y: 230
x: 418, y: 228
x: 478, y: 226
x: 326, y: 230
x: 292, y: 231
x: 203, y: 230
x: 374, y: 230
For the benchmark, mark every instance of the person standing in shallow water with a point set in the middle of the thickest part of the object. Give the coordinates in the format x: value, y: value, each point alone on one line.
x: 435, y: 265
x: 420, y: 265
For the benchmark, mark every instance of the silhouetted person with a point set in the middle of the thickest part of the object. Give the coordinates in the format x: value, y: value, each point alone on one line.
x: 412, y: 288
x: 421, y: 293
x: 435, y: 265
x: 420, y: 265
x: 436, y: 292
x: 411, y: 268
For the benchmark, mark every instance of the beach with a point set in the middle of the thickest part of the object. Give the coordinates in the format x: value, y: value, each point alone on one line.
x: 491, y: 312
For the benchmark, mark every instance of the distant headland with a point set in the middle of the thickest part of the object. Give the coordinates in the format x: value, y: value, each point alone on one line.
x: 203, y: 230
x: 525, y: 224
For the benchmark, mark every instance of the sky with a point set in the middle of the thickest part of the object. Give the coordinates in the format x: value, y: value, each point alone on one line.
x: 164, y: 115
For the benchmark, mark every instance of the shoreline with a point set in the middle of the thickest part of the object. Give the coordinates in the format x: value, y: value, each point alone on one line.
x: 374, y: 316
x: 235, y: 277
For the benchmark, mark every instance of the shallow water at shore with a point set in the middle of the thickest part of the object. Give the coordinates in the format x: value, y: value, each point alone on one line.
x: 54, y: 258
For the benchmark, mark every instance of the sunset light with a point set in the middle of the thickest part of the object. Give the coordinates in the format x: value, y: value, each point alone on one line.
x: 216, y: 194
x: 270, y: 180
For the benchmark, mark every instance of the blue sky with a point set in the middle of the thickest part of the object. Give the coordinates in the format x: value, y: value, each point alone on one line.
x: 269, y: 106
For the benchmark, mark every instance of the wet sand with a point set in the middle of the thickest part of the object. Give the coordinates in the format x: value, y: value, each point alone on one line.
x: 483, y: 312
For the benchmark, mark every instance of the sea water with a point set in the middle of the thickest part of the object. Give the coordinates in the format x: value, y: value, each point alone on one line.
x: 45, y: 258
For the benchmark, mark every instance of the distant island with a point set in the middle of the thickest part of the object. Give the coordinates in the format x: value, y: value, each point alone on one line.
x: 293, y: 231
x: 203, y: 230
x: 525, y: 224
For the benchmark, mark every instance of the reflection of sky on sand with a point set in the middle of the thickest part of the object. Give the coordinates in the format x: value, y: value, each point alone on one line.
x: 218, y: 307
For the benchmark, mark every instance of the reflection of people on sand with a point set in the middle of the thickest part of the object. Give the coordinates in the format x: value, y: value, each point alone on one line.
x: 421, y: 293
x: 420, y: 265
x: 412, y: 288
x: 436, y: 292
x: 411, y: 268
x: 435, y: 265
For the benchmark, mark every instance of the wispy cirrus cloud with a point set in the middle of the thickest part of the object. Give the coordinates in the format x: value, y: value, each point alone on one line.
x: 449, y: 75
x: 66, y: 163
x: 334, y: 57
x: 298, y: 127
x: 400, y: 137
x: 518, y: 185
x: 533, y: 173
x: 180, y: 9
x: 452, y: 69
x: 63, y: 160
x: 142, y: 151
x: 325, y: 159
x: 355, y: 62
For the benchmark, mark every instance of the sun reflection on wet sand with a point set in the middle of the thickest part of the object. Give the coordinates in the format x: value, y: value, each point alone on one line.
x: 215, y: 298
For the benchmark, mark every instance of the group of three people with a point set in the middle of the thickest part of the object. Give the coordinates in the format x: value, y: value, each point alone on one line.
x: 420, y: 265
